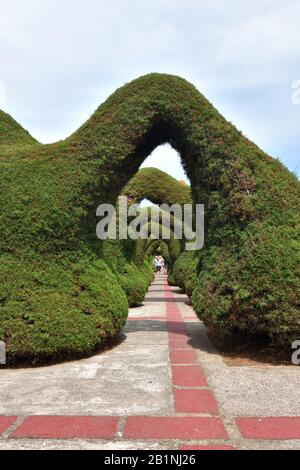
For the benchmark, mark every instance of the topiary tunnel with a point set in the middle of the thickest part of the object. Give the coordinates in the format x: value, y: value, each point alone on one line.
x: 159, y: 188
x: 123, y: 257
x: 59, y: 296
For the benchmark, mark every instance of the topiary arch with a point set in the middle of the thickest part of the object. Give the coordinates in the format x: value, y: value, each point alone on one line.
x: 158, y: 187
x: 127, y: 258
x: 58, y: 297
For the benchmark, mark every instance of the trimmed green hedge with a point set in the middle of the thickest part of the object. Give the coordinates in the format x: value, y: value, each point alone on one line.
x: 158, y: 187
x: 256, y: 290
x: 11, y: 133
x: 133, y: 279
x: 185, y: 272
x: 146, y: 248
x: 135, y: 282
x: 249, y: 269
x: 51, y: 310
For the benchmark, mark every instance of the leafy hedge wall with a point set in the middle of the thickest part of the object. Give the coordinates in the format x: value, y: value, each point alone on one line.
x: 53, y: 310
x: 249, y: 269
x: 158, y: 187
x: 185, y: 271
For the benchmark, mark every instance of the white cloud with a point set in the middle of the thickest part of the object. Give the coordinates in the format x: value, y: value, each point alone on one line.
x: 166, y: 159
x: 263, y: 41
x: 2, y: 94
x: 61, y: 59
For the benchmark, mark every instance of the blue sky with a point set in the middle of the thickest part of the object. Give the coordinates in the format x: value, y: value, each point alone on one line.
x: 60, y: 59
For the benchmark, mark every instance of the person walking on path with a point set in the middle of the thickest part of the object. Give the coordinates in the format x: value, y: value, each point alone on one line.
x: 157, y: 264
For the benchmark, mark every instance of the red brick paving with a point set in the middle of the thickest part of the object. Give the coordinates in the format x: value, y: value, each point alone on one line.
x: 189, y: 376
x: 161, y: 427
x: 6, y: 422
x: 270, y: 428
x: 175, y: 344
x: 176, y: 319
x: 67, y: 427
x: 178, y: 356
x: 178, y: 336
x: 177, y: 330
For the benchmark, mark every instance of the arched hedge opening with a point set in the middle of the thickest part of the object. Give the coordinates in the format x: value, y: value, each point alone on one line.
x: 127, y: 258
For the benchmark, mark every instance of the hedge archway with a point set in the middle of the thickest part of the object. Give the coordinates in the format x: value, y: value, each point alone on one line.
x: 159, y: 247
x: 123, y: 256
x: 58, y: 297
x: 158, y: 187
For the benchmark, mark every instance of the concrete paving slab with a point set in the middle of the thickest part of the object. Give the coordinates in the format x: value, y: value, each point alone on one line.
x: 132, y: 378
x: 255, y: 391
x: 79, y: 444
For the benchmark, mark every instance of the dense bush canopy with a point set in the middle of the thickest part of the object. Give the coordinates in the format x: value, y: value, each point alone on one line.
x: 60, y: 297
x: 158, y: 187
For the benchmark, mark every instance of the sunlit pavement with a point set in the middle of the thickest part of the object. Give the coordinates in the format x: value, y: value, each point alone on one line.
x: 164, y: 386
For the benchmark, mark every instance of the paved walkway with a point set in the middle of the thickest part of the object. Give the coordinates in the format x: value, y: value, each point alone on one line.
x: 163, y: 387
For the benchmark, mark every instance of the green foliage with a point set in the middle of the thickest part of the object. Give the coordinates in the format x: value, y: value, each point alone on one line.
x: 256, y: 290
x: 145, y: 248
x: 135, y: 282
x: 158, y: 187
x: 249, y: 268
x: 185, y: 272
x: 49, y: 312
x: 11, y: 133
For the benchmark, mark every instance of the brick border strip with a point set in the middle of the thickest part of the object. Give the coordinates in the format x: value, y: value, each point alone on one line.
x: 67, y: 427
x: 269, y: 428
x: 6, y: 422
